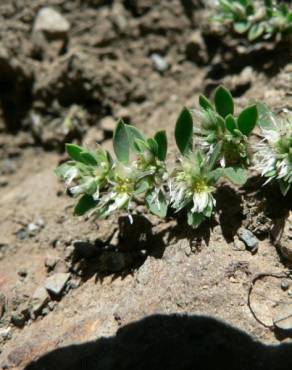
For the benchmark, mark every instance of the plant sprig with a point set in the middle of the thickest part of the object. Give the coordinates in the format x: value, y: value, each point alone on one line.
x: 256, y: 19
x: 213, y: 143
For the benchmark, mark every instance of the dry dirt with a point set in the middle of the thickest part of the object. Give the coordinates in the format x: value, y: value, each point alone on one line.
x: 101, y: 70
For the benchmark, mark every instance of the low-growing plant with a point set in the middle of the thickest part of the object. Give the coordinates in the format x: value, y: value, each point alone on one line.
x: 273, y: 156
x: 217, y: 127
x: 213, y: 142
x: 105, y: 185
x: 256, y: 19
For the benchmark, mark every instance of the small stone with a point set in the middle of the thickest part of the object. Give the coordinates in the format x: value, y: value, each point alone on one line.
x: 159, y: 63
x: 283, y: 319
x: 2, y: 304
x: 238, y: 245
x: 50, y: 262
x: 249, y: 239
x: 32, y: 228
x: 21, y: 234
x: 285, y: 284
x: 18, y: 319
x: 57, y: 282
x: 22, y: 272
x: 39, y: 299
x: 108, y: 124
x: 51, y: 22
x: 3, y: 181
x: 5, y: 333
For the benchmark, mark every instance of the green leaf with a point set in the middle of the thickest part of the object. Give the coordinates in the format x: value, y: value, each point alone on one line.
x: 184, y: 131
x: 247, y: 120
x: 121, y: 142
x: 284, y: 187
x: 223, y: 101
x: 205, y: 103
x: 85, y: 203
x: 161, y: 139
x: 195, y: 219
x: 153, y: 146
x: 133, y: 134
x: 141, y: 146
x: 88, y: 158
x: 256, y: 31
x: 241, y: 27
x: 156, y: 206
x: 214, y: 156
x: 74, y: 151
x: 237, y: 175
x: 266, y: 117
x: 230, y: 123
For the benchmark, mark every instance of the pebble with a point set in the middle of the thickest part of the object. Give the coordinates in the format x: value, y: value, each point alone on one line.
x: 51, y: 22
x: 249, y: 239
x: 56, y: 283
x: 50, y: 262
x: 238, y: 245
x: 283, y: 319
x: 39, y: 299
x: 285, y: 284
x: 5, y: 333
x: 159, y: 63
x: 108, y: 124
x: 22, y: 272
x: 18, y: 319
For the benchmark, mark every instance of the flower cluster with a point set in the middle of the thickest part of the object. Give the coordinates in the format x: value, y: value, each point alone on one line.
x: 213, y: 142
x: 273, y: 157
x: 257, y: 19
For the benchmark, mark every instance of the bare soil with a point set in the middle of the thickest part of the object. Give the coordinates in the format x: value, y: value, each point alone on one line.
x: 104, y: 68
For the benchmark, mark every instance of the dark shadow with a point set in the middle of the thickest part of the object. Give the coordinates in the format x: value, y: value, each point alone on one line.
x: 229, y: 205
x: 173, y: 342
x: 15, y: 94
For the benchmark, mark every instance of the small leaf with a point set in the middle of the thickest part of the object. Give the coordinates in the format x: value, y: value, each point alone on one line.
x: 153, y: 146
x: 74, y: 151
x: 223, y: 101
x: 157, y: 205
x: 247, y: 120
x: 241, y: 27
x: 205, y: 103
x: 256, y: 31
x: 141, y: 146
x: 88, y: 158
x: 215, y: 155
x: 266, y: 118
x: 230, y: 123
x: 85, y: 203
x: 195, y: 219
x: 161, y: 139
x: 121, y: 142
x: 237, y: 175
x: 284, y: 187
x: 133, y: 134
x: 184, y: 131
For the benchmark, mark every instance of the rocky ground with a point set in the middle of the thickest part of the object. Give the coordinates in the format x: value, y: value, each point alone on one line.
x: 65, y: 280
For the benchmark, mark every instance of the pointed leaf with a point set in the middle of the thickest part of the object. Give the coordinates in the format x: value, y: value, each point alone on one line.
x: 247, y: 120
x: 74, y: 151
x: 241, y: 27
x: 157, y: 205
x: 284, y: 187
x: 266, y: 118
x: 161, y: 139
x: 195, y: 219
x: 230, y: 123
x: 153, y: 146
x: 85, y: 203
x: 121, y: 142
x: 205, y: 103
x: 237, y: 175
x: 184, y: 131
x: 256, y: 31
x: 223, y: 101
x: 88, y: 158
x: 133, y: 134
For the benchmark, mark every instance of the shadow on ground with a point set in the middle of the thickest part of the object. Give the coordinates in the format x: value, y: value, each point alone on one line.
x: 170, y: 342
